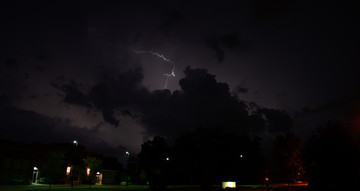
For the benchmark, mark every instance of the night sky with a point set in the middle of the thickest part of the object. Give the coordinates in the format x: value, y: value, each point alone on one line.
x: 94, y: 70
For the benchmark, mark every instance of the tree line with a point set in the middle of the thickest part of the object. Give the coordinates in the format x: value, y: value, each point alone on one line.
x: 328, y: 159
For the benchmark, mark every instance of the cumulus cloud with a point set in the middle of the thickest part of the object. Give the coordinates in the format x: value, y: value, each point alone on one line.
x: 201, y: 102
x: 28, y: 126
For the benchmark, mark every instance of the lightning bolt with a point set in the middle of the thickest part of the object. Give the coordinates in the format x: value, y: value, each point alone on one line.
x: 171, y: 74
x: 92, y: 30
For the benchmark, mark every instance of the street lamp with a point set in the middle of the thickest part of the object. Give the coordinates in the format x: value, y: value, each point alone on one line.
x: 75, y: 142
x: 68, y: 170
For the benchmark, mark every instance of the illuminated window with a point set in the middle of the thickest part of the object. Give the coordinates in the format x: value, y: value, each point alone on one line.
x: 88, y: 171
x: 68, y: 170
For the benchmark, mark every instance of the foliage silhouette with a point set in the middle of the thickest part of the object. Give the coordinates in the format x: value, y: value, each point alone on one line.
x: 152, y: 161
x: 94, y: 164
x: 287, y: 161
x: 332, y: 158
x: 53, y: 167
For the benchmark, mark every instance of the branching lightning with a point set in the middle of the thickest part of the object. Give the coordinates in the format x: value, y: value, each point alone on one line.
x: 92, y: 30
x: 172, y: 74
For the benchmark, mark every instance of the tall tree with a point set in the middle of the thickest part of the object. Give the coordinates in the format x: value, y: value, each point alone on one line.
x: 152, y: 160
x: 94, y: 165
x: 332, y: 158
x: 288, y: 165
x: 132, y: 172
x: 53, y: 167
x: 208, y: 156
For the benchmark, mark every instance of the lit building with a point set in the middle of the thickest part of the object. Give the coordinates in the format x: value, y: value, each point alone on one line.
x: 21, y: 163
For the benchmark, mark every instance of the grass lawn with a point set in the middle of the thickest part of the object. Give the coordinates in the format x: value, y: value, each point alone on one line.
x: 45, y: 187
x: 42, y: 187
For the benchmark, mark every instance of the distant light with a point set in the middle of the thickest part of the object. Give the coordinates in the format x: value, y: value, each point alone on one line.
x: 97, y: 173
x: 88, y: 171
x: 241, y: 156
x: 127, y: 153
x: 228, y: 185
x: 68, y: 170
x: 266, y: 179
x: 167, y: 158
x: 75, y: 142
x: 35, y: 168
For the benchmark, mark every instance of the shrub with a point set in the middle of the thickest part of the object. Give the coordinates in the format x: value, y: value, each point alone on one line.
x: 43, y: 180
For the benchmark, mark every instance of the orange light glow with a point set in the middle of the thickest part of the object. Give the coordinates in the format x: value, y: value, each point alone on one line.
x: 88, y: 171
x: 68, y: 170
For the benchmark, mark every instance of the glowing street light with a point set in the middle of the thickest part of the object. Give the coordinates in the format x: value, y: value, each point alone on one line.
x: 87, y: 171
x: 68, y: 170
x: 167, y: 158
x: 75, y: 142
x: 127, y: 153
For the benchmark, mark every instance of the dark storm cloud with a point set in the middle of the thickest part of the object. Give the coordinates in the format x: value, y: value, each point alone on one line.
x: 201, y: 102
x: 313, y: 58
x: 344, y: 108
x: 278, y: 121
x: 281, y: 94
x: 73, y: 93
x: 172, y: 18
x: 228, y: 41
x: 102, y: 146
x: 241, y: 89
x: 111, y: 96
x: 12, y: 85
x: 233, y: 41
x: 27, y: 126
x: 272, y: 10
x: 214, y: 45
x: 11, y: 63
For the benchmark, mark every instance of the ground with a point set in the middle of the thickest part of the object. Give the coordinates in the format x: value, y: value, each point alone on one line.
x: 43, y: 187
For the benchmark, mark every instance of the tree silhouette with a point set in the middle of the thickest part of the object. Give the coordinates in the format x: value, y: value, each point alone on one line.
x: 332, y: 158
x: 152, y: 160
x: 208, y: 156
x: 53, y: 167
x: 94, y: 165
x: 132, y: 172
x: 286, y: 154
